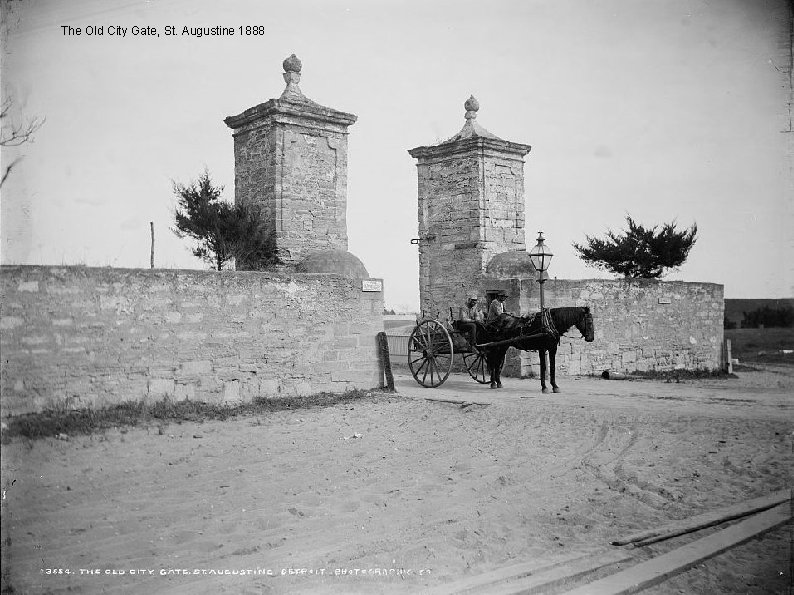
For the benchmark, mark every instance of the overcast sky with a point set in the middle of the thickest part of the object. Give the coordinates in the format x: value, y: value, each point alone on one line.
x: 661, y: 109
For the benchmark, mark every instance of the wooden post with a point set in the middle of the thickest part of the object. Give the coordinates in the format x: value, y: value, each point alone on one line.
x: 151, y: 226
x: 385, y: 360
x: 730, y: 361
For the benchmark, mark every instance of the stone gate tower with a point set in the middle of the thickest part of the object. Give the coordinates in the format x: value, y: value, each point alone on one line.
x: 290, y: 158
x: 471, y: 208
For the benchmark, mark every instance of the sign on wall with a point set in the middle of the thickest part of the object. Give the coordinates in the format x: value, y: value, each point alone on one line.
x: 371, y: 285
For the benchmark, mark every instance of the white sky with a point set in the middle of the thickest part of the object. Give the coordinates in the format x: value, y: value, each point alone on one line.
x: 661, y: 109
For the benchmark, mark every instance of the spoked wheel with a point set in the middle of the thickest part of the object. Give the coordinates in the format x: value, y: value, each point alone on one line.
x: 477, y: 367
x: 430, y: 353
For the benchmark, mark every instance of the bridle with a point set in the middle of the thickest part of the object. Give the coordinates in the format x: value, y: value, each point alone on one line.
x: 588, y: 326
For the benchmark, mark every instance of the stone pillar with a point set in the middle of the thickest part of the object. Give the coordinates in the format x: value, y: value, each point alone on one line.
x: 290, y: 163
x: 471, y: 207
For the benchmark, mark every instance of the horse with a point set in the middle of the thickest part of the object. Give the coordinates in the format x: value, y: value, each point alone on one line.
x: 534, y: 333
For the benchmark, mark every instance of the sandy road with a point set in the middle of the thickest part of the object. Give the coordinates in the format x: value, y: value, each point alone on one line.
x: 397, y: 494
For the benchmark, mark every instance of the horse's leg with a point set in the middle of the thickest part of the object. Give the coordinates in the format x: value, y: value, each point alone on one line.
x: 542, y: 355
x: 497, y: 361
x: 491, y: 361
x: 552, y: 356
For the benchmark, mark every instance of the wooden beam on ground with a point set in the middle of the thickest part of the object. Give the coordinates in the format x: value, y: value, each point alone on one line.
x: 656, y: 570
x: 495, y: 576
x: 708, y: 519
x: 461, y: 402
x: 558, y: 577
x: 530, y: 577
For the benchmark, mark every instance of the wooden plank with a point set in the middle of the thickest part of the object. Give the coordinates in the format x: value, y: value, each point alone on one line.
x: 460, y: 401
x: 560, y: 576
x: 708, y: 519
x: 501, y: 574
x: 530, y: 577
x: 656, y: 570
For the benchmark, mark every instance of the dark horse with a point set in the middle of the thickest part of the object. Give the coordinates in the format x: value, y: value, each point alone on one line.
x: 533, y: 333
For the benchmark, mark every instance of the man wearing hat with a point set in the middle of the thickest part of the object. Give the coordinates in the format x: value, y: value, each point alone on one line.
x: 497, y: 306
x: 469, y: 316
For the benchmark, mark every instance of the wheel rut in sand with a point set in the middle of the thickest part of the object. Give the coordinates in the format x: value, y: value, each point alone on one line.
x: 605, y: 460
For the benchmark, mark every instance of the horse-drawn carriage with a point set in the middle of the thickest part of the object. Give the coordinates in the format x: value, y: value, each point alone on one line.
x: 432, y: 345
x: 431, y: 350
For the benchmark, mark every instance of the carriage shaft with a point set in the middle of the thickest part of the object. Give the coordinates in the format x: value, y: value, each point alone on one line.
x: 512, y: 341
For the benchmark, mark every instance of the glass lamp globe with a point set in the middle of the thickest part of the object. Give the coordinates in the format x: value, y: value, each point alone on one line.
x: 540, y: 255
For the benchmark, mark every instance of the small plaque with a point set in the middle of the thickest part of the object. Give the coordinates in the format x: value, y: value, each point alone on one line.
x: 371, y: 285
x: 665, y: 301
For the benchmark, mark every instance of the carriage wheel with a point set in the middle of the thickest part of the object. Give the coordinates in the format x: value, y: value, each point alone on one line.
x: 430, y: 353
x: 477, y: 367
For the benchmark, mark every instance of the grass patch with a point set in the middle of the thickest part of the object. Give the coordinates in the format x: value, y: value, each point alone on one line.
x: 761, y: 345
x: 55, y: 422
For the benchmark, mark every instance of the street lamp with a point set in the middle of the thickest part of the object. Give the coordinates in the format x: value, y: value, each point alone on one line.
x: 541, y: 257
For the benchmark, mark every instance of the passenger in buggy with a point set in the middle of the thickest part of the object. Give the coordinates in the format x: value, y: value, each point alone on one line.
x: 470, y: 317
x: 497, y: 307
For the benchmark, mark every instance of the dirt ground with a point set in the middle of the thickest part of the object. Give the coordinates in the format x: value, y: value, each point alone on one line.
x: 398, y: 494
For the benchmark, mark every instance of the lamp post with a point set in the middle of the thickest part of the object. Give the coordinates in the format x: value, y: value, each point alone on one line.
x: 541, y: 257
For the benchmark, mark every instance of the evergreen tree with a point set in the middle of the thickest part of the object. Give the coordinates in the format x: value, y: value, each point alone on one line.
x: 222, y: 231
x: 639, y: 252
x: 768, y: 316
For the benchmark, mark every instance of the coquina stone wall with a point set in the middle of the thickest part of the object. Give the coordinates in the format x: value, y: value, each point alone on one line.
x: 640, y: 325
x: 88, y: 337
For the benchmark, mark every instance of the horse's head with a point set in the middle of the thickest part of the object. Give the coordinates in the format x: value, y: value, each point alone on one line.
x: 584, y: 325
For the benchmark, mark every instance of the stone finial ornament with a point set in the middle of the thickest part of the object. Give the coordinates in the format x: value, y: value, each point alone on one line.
x: 292, y: 64
x: 292, y: 76
x: 471, y: 106
x: 471, y: 129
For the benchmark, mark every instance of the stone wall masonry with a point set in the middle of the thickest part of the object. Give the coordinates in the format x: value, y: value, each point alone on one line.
x: 504, y: 218
x: 449, y: 204
x: 291, y: 163
x: 462, y: 224
x: 449, y: 213
x: 640, y: 325
x: 89, y: 337
x: 314, y: 183
x: 297, y: 177
x: 256, y: 171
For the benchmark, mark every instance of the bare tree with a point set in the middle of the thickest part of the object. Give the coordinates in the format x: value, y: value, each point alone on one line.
x: 12, y: 132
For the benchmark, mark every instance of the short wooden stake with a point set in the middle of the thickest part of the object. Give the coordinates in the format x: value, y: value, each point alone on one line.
x: 385, y: 360
x: 151, y: 259
x: 730, y: 357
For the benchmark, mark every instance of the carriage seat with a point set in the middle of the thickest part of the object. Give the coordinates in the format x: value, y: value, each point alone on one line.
x: 481, y: 331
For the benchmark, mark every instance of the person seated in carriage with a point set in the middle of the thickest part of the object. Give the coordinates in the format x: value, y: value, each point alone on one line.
x: 469, y: 317
x: 497, y: 307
